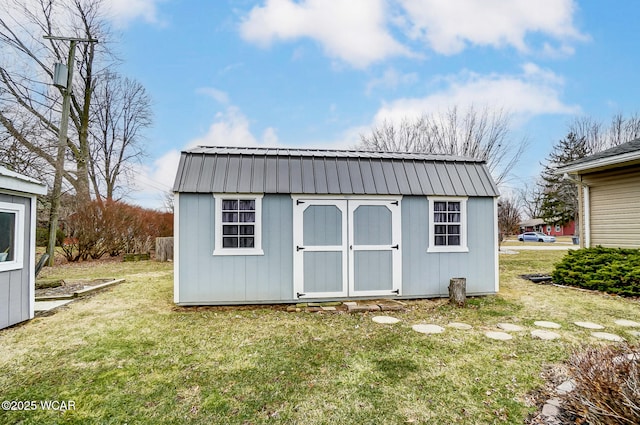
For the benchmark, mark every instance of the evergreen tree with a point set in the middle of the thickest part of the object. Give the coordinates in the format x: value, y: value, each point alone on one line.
x: 559, y: 196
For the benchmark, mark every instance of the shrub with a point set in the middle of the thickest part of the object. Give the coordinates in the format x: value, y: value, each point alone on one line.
x: 607, y: 385
x: 113, y: 227
x: 42, y: 236
x: 612, y: 270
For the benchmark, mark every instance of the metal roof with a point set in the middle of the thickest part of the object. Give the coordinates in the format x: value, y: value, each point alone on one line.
x: 340, y: 172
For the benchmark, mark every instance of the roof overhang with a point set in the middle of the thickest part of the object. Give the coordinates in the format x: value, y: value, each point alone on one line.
x: 600, y: 164
x: 15, y: 182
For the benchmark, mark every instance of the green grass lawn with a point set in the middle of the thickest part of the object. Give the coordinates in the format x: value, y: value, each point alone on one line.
x: 128, y: 355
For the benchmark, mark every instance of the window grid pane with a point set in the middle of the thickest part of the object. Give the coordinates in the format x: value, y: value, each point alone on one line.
x: 447, y: 217
x: 241, y: 216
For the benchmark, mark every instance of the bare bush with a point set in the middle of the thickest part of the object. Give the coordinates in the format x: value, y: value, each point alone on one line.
x: 113, y: 227
x: 607, y: 385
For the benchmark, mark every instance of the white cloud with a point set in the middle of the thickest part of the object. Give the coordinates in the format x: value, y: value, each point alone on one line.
x: 353, y: 31
x: 358, y: 31
x: 534, y: 92
x: 218, y: 95
x: 391, y: 79
x: 231, y: 128
x: 450, y: 26
x: 122, y: 12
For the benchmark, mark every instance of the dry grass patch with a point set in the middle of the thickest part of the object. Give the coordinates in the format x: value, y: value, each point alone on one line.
x: 129, y: 355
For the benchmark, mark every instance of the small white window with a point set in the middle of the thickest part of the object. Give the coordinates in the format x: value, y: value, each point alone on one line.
x: 448, y: 225
x: 557, y: 228
x: 11, y: 236
x: 238, y: 224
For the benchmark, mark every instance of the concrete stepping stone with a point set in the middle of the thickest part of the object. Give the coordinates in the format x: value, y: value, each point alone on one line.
x: 461, y: 326
x: 545, y: 324
x: 550, y: 410
x: 428, y: 329
x: 500, y: 336
x: 588, y: 325
x: 385, y: 319
x: 509, y: 327
x: 544, y: 335
x: 607, y: 336
x: 566, y: 387
x: 633, y: 357
x: 628, y: 323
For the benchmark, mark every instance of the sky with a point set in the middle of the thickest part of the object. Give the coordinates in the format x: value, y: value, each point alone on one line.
x: 318, y: 73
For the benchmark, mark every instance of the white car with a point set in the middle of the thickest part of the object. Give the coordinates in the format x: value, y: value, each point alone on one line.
x: 535, y: 237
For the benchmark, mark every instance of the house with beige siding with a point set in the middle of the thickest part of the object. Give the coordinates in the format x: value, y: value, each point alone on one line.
x: 609, y: 196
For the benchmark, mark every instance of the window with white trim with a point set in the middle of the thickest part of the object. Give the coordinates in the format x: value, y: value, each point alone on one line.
x: 11, y: 239
x: 238, y: 224
x: 448, y: 225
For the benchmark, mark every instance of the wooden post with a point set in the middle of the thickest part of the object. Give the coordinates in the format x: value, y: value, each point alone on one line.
x: 164, y: 249
x: 458, y: 291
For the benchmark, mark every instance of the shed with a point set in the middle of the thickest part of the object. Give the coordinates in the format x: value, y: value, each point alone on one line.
x: 260, y: 225
x: 17, y: 246
x: 609, y: 196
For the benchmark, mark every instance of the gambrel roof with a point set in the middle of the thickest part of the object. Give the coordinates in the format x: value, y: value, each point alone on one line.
x: 209, y: 169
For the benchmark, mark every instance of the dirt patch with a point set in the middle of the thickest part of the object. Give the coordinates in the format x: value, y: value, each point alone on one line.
x: 69, y: 288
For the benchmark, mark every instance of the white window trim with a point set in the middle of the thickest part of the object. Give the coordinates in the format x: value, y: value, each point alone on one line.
x: 257, y: 249
x: 463, y: 225
x: 17, y: 263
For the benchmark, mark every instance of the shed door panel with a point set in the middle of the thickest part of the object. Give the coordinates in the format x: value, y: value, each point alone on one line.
x: 374, y: 248
x: 320, y: 254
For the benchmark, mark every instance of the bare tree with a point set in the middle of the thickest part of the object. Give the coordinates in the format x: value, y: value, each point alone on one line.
x: 169, y: 201
x: 530, y: 198
x: 481, y: 134
x: 599, y: 136
x: 508, y: 217
x: 19, y: 159
x: 29, y: 105
x: 121, y: 111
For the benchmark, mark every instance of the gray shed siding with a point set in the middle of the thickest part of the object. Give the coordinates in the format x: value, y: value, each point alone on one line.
x: 207, y: 279
x: 428, y: 274
x: 15, y: 290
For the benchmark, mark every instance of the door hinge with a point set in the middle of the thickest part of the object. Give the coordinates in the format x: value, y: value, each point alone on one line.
x: 396, y: 291
x: 298, y: 248
x: 396, y: 246
x: 394, y: 203
x: 298, y: 202
x: 300, y: 294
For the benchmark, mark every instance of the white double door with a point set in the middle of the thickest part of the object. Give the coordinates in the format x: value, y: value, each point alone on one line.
x: 346, y: 247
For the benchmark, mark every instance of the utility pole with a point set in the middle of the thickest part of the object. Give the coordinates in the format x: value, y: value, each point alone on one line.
x: 66, y: 90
